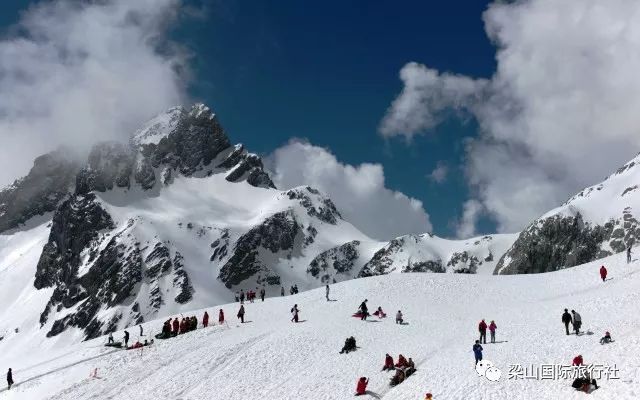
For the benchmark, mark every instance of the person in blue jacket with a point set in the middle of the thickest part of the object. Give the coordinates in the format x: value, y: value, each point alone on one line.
x: 477, y: 351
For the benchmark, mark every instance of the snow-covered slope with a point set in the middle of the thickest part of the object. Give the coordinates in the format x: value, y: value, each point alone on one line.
x: 599, y: 221
x: 179, y: 218
x: 271, y: 357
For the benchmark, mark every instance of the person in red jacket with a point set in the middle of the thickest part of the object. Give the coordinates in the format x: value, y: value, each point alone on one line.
x: 388, y: 363
x: 205, y: 319
x: 482, y: 327
x: 402, y: 362
x: 362, y: 386
x: 176, y: 326
x: 603, y: 273
x: 492, y: 329
x: 577, y: 361
x: 221, y: 317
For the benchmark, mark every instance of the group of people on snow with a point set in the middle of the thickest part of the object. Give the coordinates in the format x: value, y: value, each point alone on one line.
x: 574, y: 319
x: 482, y: 328
x: 583, y: 382
x: 250, y: 295
x: 174, y: 327
x: 349, y: 345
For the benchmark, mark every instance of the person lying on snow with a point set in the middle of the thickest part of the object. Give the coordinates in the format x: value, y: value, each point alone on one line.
x: 361, y: 388
x: 388, y: 363
x: 606, y: 338
x: 585, y: 383
x: 379, y: 313
x: 349, y: 345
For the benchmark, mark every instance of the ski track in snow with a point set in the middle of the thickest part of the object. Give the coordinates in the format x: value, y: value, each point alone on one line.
x: 274, y: 358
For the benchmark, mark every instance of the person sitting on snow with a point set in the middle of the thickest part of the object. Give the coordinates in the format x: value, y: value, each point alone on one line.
x: 399, y: 319
x: 349, y: 345
x: 606, y: 338
x: 362, y: 386
x: 428, y: 396
x: 388, y: 363
x: 584, y: 383
x: 411, y: 367
x: 398, y: 378
x: 402, y: 362
x: 379, y: 313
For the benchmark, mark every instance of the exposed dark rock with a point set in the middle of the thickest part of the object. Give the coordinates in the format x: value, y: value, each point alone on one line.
x: 181, y: 280
x: 463, y: 263
x: 554, y: 243
x: 425, y: 266
x: 49, y: 181
x: 277, y: 233
x: 75, y: 224
x: 326, y: 212
x: 340, y: 258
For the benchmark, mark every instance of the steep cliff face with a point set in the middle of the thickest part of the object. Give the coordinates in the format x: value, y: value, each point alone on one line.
x: 599, y: 221
x: 49, y: 181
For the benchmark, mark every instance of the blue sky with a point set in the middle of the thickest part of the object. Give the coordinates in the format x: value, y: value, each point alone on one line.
x: 327, y: 71
x: 556, y: 85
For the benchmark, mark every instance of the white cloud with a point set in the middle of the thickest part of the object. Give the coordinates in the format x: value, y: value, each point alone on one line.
x: 73, y: 72
x: 439, y: 174
x: 427, y: 94
x: 466, y: 227
x: 560, y: 113
x: 359, y: 192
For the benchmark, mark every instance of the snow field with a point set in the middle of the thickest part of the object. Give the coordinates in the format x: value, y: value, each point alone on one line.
x: 271, y: 357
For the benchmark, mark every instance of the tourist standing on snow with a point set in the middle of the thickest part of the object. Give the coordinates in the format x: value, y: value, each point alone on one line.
x: 362, y: 386
x: 492, y: 330
x: 295, y: 312
x: 221, y: 317
x: 577, y: 321
x: 241, y: 313
x: 282, y: 291
x: 126, y: 339
x: 603, y: 273
x: 262, y: 294
x: 9, y: 379
x: 110, y: 338
x: 205, y: 319
x: 566, y: 320
x: 237, y: 296
x: 241, y: 296
x: 364, y: 310
x: 629, y: 255
x: 176, y: 326
x: 399, y: 319
x: 482, y: 327
x: 327, y: 292
x: 477, y: 351
x: 141, y: 330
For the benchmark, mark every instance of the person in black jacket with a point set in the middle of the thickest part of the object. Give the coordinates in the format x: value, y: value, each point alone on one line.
x: 364, y: 310
x: 566, y: 320
x: 9, y: 379
x: 126, y: 339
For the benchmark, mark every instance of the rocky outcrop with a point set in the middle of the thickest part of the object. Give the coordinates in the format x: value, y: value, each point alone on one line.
x: 48, y: 183
x: 322, y: 208
x: 276, y: 234
x: 554, y: 243
x: 338, y: 260
x: 75, y: 225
